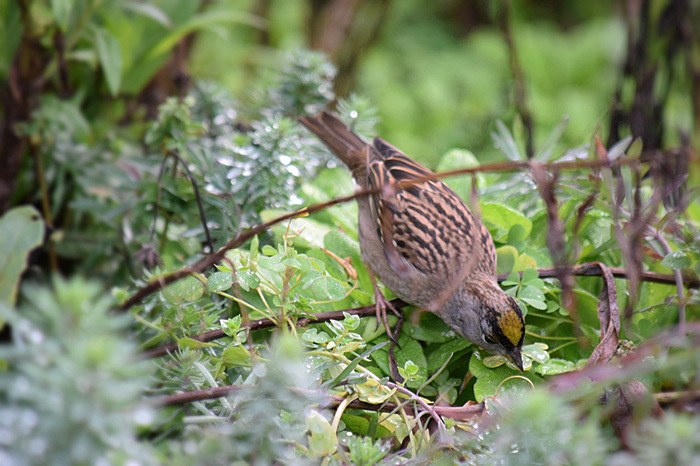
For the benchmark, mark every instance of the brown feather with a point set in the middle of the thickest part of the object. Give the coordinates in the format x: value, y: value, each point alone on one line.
x: 433, y: 229
x: 344, y: 144
x: 426, y: 227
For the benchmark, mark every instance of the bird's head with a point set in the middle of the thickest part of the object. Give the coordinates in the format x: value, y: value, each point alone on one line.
x: 488, y: 317
x: 503, y: 329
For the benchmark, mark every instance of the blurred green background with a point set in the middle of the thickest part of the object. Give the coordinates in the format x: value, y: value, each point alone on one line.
x: 439, y: 72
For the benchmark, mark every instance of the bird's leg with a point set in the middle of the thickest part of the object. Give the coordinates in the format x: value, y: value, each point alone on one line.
x: 382, y: 305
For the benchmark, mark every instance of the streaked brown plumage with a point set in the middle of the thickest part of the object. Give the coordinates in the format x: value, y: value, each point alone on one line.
x: 423, y: 241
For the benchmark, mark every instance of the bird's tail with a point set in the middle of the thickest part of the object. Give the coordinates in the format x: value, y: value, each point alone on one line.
x: 345, y: 144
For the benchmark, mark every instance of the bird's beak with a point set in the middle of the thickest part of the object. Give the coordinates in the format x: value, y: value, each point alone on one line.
x: 517, y: 358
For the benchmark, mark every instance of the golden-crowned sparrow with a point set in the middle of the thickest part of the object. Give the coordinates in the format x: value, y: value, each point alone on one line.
x: 423, y: 241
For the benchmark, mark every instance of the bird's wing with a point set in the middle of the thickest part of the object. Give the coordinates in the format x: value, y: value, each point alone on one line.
x: 426, y: 226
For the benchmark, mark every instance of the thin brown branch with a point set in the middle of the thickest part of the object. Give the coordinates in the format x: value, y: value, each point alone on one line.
x: 467, y: 411
x: 632, y: 365
x: 546, y: 183
x: 592, y: 269
x: 198, y: 199
x: 45, y: 204
x: 681, y: 398
x: 211, y: 259
x: 609, y: 316
x: 678, y: 276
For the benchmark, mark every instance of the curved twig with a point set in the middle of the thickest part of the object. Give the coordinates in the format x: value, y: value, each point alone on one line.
x: 592, y: 269
x: 458, y: 413
x: 426, y: 407
x: 197, y: 198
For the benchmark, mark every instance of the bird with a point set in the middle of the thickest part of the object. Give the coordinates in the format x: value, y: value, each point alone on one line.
x: 423, y: 242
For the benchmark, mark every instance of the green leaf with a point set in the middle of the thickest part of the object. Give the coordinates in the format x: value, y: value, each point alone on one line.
x: 273, y: 263
x: 676, y: 260
x: 219, y: 281
x: 185, y: 290
x: 545, y: 151
x: 410, y: 368
x: 312, y: 335
x: 512, y: 279
x: 356, y: 424
x: 231, y: 326
x: 555, y: 366
x: 524, y: 262
x: 304, y: 263
x: 204, y: 20
x: 150, y: 11
x: 350, y: 321
x: 462, y: 184
x: 449, y: 394
x: 410, y: 350
x: 254, y: 245
x: 373, y: 391
x: 488, y: 380
x: 322, y: 437
x: 494, y: 361
x: 191, y: 343
x: 437, y: 357
x: 506, y: 257
x: 517, y: 236
x: 21, y: 230
x: 530, y: 275
x: 504, y: 218
x: 587, y: 307
x: 325, y: 288
x: 505, y: 142
x: 269, y: 250
x: 247, y: 279
x: 350, y: 367
x: 532, y: 293
x: 537, y: 352
x: 110, y: 55
x: 533, y: 297
x: 236, y: 356
x: 341, y: 244
x: 311, y: 232
x: 362, y: 426
x: 429, y: 328
x: 328, y: 184
x: 292, y: 262
x: 61, y: 12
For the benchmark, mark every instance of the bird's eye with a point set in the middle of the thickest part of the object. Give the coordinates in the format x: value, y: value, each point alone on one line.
x: 488, y: 339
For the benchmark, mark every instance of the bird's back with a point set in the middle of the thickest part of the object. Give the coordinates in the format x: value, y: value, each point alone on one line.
x: 421, y: 240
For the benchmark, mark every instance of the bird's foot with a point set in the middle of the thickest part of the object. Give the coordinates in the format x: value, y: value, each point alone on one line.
x: 381, y: 305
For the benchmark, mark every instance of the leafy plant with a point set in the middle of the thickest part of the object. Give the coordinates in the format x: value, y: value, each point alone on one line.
x: 140, y: 168
x: 71, y: 390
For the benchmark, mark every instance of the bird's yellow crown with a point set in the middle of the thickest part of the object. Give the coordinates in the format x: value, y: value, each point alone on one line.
x: 511, y: 326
